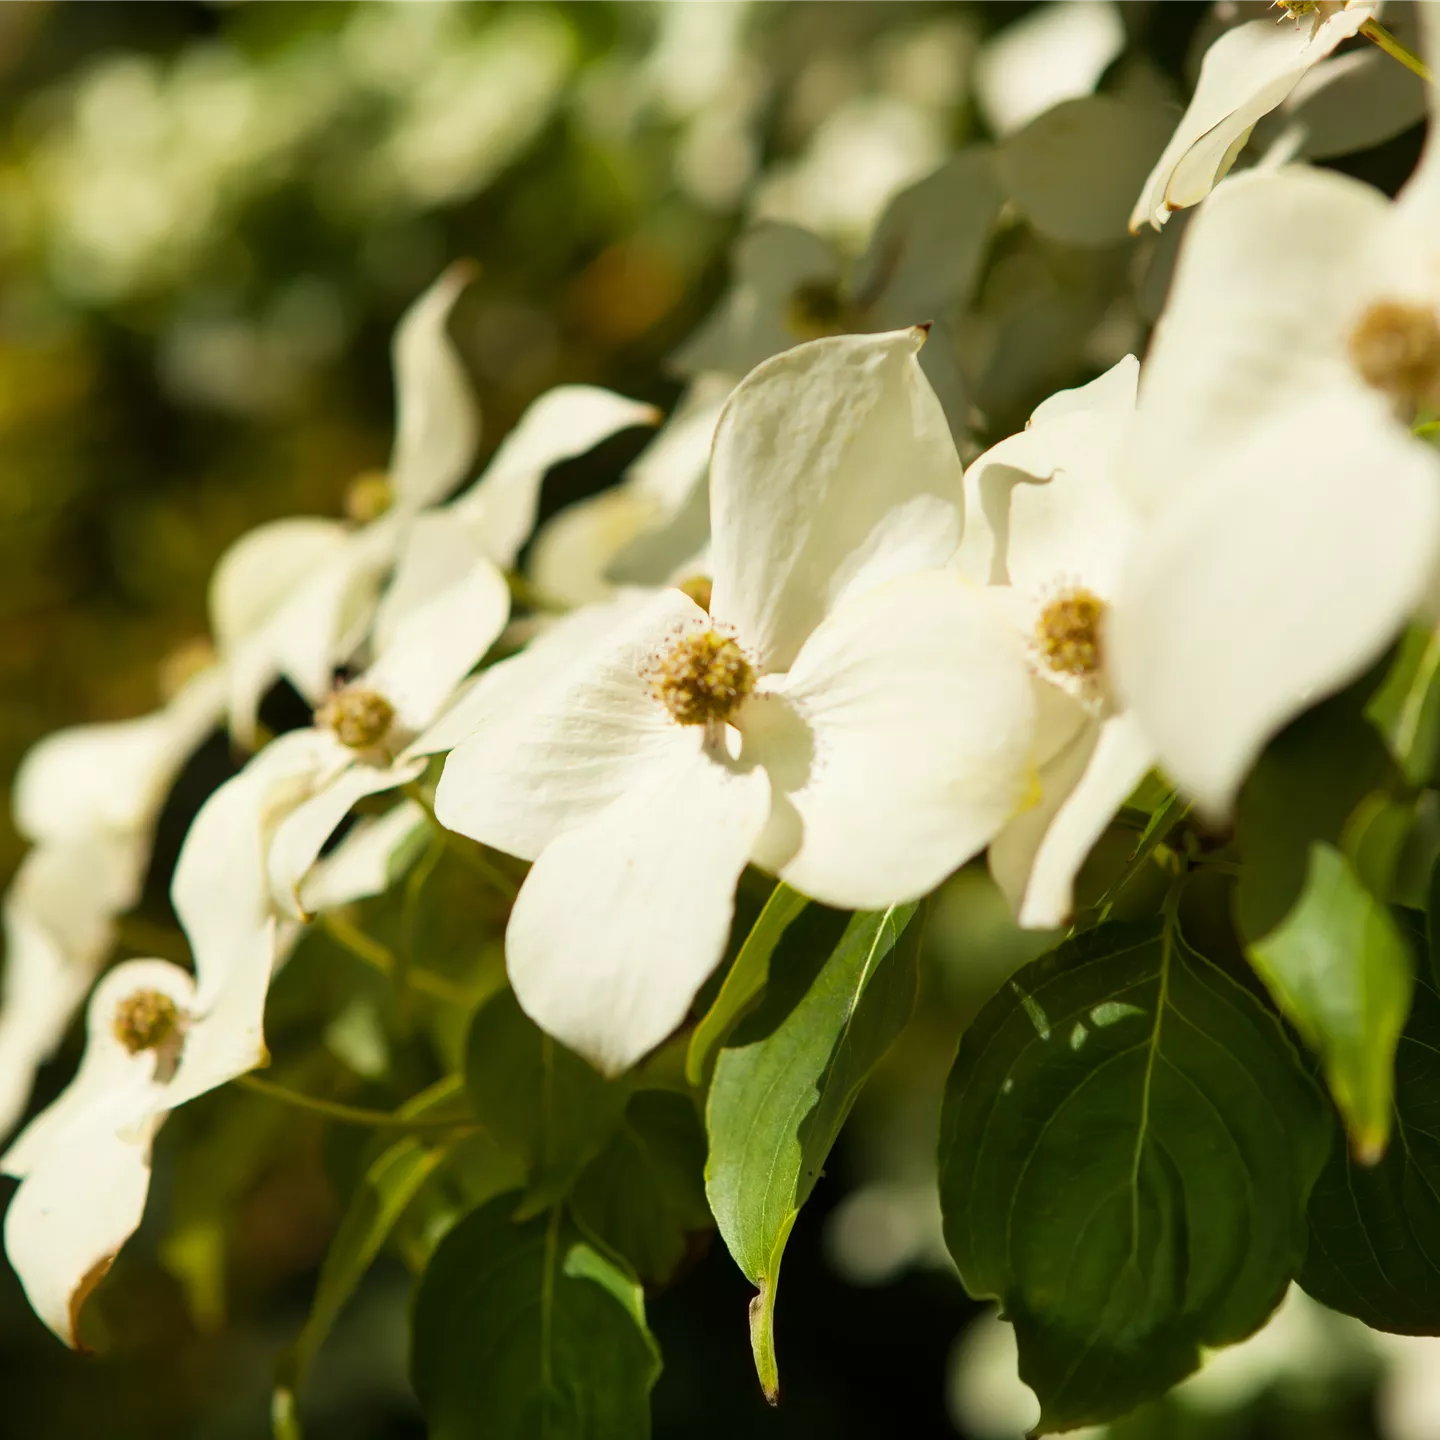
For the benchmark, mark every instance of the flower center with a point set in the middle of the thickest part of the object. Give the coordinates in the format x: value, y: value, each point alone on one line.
x: 145, y: 1020
x: 699, y: 589
x: 1395, y: 346
x: 703, y: 677
x: 816, y: 308
x: 360, y: 719
x: 1067, y: 634
x: 369, y: 496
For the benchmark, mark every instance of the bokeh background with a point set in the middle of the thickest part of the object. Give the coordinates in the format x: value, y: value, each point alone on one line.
x: 211, y: 216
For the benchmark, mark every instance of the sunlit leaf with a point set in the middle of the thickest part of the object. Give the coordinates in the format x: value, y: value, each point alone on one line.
x: 1341, y: 973
x: 1127, y: 1146
x: 784, y: 1086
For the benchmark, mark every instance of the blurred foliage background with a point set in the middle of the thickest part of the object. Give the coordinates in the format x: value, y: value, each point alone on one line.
x: 211, y: 216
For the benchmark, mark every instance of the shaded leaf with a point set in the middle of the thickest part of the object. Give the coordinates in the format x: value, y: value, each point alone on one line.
x: 782, y: 1090
x: 1375, y: 1233
x: 1127, y: 1146
x: 745, y: 980
x: 644, y: 1194
x: 1341, y: 973
x: 523, y: 1330
x: 538, y: 1099
x: 1406, y: 707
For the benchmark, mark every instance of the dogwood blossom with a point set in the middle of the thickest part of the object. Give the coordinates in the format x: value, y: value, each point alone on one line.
x: 1245, y: 75
x: 299, y: 596
x: 1046, y: 518
x: 155, y: 1038
x: 843, y: 711
x: 1294, y: 519
x: 89, y: 798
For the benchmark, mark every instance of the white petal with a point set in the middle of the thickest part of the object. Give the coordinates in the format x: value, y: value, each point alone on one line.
x: 1043, y: 507
x: 59, y: 925
x: 114, y: 777
x: 770, y: 263
x: 1036, y: 858
x: 1246, y: 73
x: 898, y: 744
x: 316, y: 628
x: 220, y: 889
x: 434, y: 646
x: 300, y: 836
x: 1243, y: 333
x: 367, y: 861
x: 833, y: 471
x: 73, y: 1212
x: 573, y: 552
x: 227, y: 1038
x: 621, y: 919
x: 263, y: 568
x: 1352, y: 102
x: 564, y: 422
x: 437, y: 423
x: 928, y: 246
x: 1258, y: 595
x: 558, y: 739
x: 516, y: 683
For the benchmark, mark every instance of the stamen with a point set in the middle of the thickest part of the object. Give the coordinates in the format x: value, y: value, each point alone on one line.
x: 702, y: 677
x: 1067, y: 634
x: 369, y: 496
x: 1395, y: 346
x: 361, y: 719
x: 146, y: 1020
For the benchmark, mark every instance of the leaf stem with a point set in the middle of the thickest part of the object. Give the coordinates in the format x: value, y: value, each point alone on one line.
x: 1377, y: 34
x: 465, y: 850
x: 380, y: 957
x: 345, y: 1114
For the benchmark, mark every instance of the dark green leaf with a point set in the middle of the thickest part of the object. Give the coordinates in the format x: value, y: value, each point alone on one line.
x: 1375, y: 1233
x: 783, y: 1089
x: 1127, y: 1146
x: 745, y: 981
x: 1341, y: 973
x: 1304, y: 788
x: 523, y: 1330
x: 388, y: 1186
x: 644, y: 1194
x: 538, y: 1099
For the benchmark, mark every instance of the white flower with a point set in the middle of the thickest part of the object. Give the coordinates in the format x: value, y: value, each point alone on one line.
x: 846, y: 714
x: 156, y: 1038
x: 651, y: 525
x: 1246, y: 74
x: 89, y: 797
x: 298, y: 597
x: 1294, y: 519
x: 1046, y: 518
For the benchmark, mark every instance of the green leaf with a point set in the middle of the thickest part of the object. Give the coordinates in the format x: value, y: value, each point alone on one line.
x: 388, y: 1186
x: 744, y: 982
x: 1375, y: 1233
x: 1406, y: 707
x: 1127, y: 1146
x: 783, y: 1089
x: 1304, y: 788
x: 522, y: 1330
x: 1341, y: 973
x: 539, y: 1100
x: 644, y: 1194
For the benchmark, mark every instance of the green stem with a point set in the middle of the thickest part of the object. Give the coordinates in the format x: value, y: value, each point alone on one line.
x: 466, y: 851
x: 345, y: 1114
x: 382, y: 958
x: 1377, y: 34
